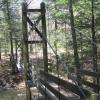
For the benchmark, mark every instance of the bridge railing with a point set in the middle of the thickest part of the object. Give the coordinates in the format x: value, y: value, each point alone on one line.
x: 90, y: 74
x: 47, y: 78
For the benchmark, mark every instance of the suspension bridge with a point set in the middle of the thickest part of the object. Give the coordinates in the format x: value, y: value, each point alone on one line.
x: 42, y: 75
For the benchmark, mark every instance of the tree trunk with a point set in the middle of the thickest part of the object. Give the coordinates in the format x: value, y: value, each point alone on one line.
x: 0, y: 50
x: 94, y: 45
x: 75, y: 47
x: 44, y: 31
x: 11, y: 39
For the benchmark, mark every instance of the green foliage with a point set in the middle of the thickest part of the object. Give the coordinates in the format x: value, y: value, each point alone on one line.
x: 61, y: 15
x: 62, y: 1
x: 58, y: 11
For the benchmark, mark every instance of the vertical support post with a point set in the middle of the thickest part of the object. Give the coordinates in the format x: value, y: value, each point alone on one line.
x: 25, y: 49
x: 44, y: 31
x: 75, y: 47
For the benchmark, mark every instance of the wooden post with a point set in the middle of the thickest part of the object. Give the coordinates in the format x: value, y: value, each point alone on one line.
x: 44, y: 31
x: 75, y: 47
x: 25, y: 49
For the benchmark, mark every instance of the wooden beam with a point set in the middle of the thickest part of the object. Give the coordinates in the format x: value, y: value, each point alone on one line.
x: 33, y: 10
x: 90, y: 73
x: 46, y: 92
x: 72, y: 87
x: 29, y: 21
x: 85, y: 72
x: 89, y: 84
x: 54, y: 91
x: 43, y: 92
x: 33, y: 42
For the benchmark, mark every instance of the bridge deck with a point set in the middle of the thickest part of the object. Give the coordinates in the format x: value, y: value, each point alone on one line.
x: 36, y: 95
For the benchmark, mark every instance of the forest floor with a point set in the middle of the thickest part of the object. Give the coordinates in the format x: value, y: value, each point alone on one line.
x: 12, y: 86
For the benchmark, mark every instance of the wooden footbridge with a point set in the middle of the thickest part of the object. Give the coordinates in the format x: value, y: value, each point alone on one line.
x: 52, y: 85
